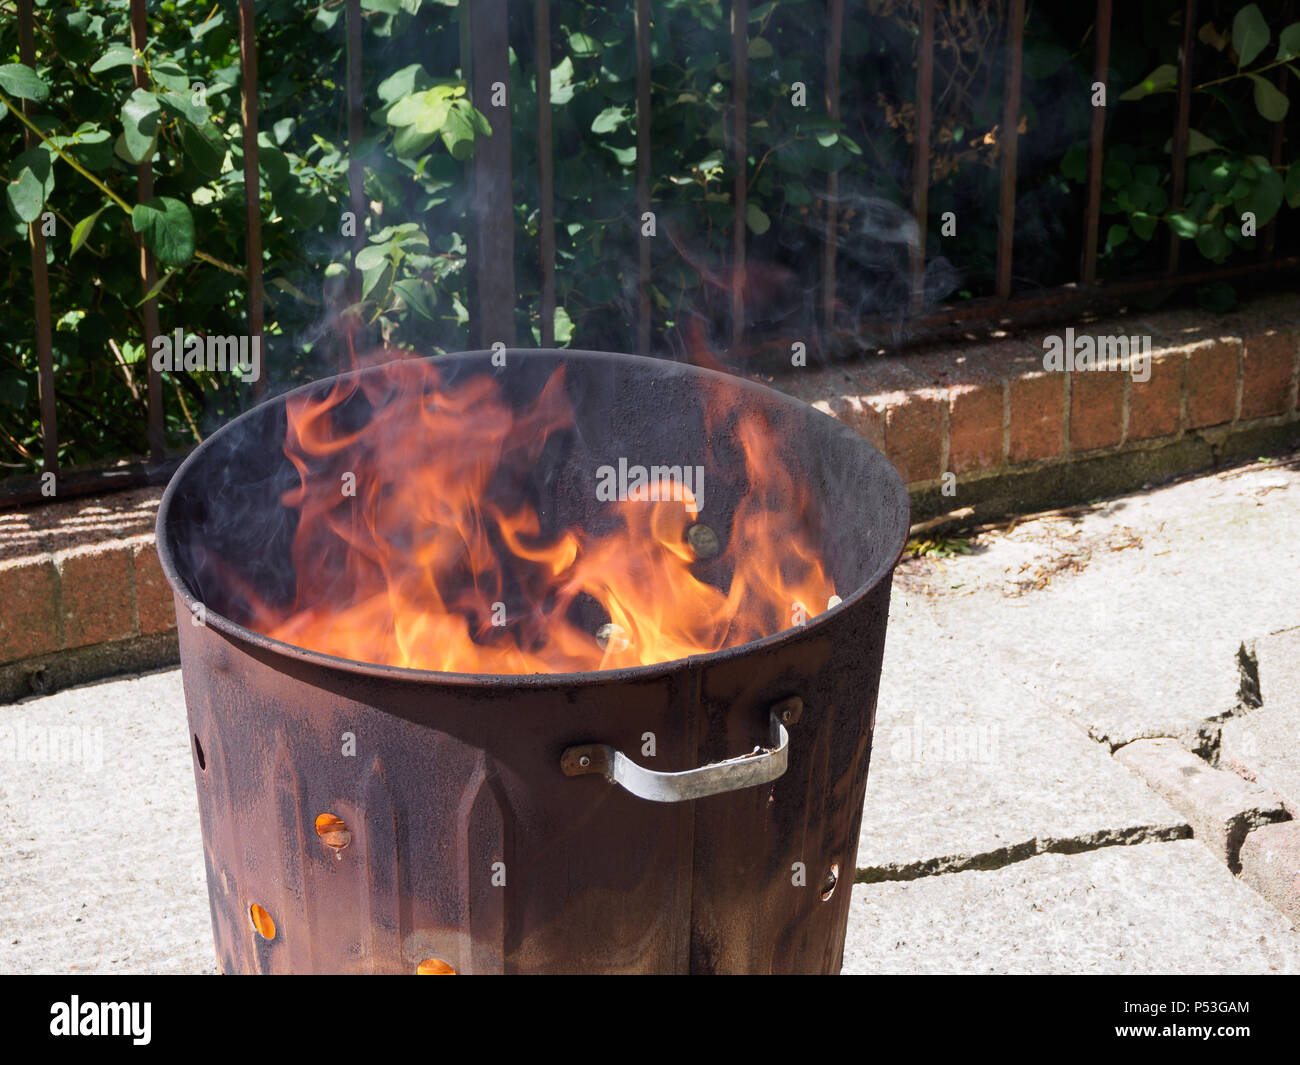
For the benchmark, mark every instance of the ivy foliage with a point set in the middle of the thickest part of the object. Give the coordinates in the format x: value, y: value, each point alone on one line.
x: 71, y: 171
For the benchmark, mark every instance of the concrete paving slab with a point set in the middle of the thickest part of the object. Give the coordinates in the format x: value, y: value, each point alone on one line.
x: 1261, y: 742
x: 99, y: 826
x: 1127, y: 618
x: 1154, y: 908
x: 971, y: 767
x: 1270, y: 863
x: 1221, y: 806
x: 1264, y: 746
x: 1277, y: 661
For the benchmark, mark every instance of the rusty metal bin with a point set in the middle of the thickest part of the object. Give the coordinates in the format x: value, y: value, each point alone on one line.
x: 360, y: 818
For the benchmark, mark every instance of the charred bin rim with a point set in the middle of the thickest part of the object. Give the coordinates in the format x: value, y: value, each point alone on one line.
x: 241, y: 634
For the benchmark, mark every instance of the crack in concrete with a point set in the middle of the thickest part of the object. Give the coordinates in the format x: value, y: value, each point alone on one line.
x: 1019, y: 852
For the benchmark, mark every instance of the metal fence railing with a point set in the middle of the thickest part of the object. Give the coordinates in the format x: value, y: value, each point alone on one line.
x: 485, y: 59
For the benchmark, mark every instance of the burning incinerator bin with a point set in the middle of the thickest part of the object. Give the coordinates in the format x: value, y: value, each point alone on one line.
x: 697, y: 814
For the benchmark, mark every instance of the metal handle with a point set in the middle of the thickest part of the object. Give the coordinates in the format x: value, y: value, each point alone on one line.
x: 760, y: 766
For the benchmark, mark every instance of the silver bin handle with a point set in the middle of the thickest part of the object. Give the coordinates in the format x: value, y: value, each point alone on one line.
x: 760, y: 766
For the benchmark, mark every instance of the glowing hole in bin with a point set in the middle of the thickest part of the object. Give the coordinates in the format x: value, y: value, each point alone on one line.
x: 434, y: 967
x: 828, y: 885
x: 332, y: 831
x: 198, y: 753
x: 262, y: 921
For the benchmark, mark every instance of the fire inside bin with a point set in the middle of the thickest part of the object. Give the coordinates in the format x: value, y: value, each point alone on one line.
x: 562, y: 662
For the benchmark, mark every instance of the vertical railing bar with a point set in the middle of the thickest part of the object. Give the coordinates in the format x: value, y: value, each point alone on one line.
x: 545, y: 171
x: 252, y: 183
x: 1096, y: 142
x: 740, y: 156
x: 830, y: 242
x: 40, y: 273
x: 492, y: 227
x: 1275, y: 159
x: 356, y: 173
x: 1269, y: 250
x: 1010, y: 146
x: 921, y: 163
x: 643, y: 174
x: 148, y: 269
x: 1182, y: 126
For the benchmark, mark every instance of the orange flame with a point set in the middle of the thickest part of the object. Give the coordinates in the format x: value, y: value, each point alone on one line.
x: 431, y: 564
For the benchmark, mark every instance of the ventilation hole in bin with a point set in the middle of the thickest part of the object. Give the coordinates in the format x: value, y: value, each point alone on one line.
x: 434, y: 967
x: 262, y: 922
x: 828, y: 885
x: 198, y: 753
x: 333, y: 832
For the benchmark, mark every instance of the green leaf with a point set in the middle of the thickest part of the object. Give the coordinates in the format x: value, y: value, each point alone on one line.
x: 1116, y: 236
x: 464, y: 123
x: 418, y: 295
x: 203, y: 147
x: 1183, y: 224
x: 158, y: 286
x: 609, y: 119
x: 1292, y: 186
x: 117, y: 55
x: 1288, y: 42
x: 23, y: 82
x: 759, y: 48
x: 371, y: 256
x: 562, y: 82
x: 1270, y: 102
x: 324, y: 18
x: 170, y: 75
x: 375, y: 278
x: 32, y: 180
x: 427, y: 110
x: 1074, y: 164
x: 91, y: 146
x: 1212, y: 243
x: 1163, y: 78
x: 140, y: 125
x: 1198, y: 142
x: 1144, y: 225
x: 756, y: 219
x: 1249, y: 34
x: 82, y: 230
x: 584, y: 45
x: 563, y: 327
x: 1265, y: 197
x: 182, y: 105
x: 624, y: 156
x: 405, y: 82
x: 167, y: 228
x: 272, y: 164
x: 207, y: 25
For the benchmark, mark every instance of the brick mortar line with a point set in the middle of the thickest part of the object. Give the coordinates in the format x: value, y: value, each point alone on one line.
x: 1124, y: 409
x: 1295, y: 375
x: 132, y: 584
x: 1066, y: 451
x: 1240, y: 381
x: 945, y: 429
x: 60, y: 622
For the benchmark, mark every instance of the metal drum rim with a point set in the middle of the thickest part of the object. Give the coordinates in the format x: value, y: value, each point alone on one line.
x: 240, y: 634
